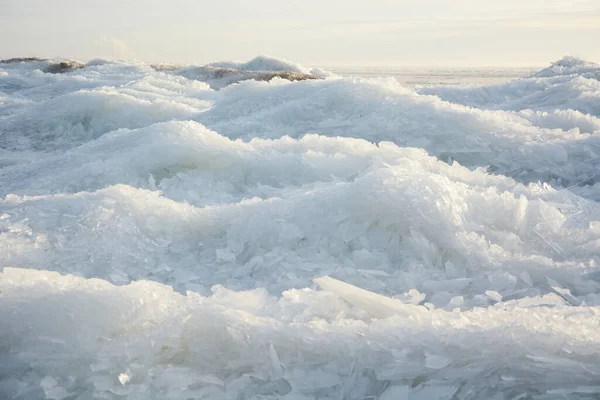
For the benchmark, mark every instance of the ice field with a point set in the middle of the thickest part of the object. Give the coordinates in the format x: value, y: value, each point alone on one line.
x: 263, y: 230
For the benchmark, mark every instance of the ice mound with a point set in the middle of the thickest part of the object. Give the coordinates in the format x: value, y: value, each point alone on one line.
x: 538, y: 94
x: 183, y: 206
x: 262, y: 68
x: 78, y: 116
x: 67, y: 337
x: 570, y: 65
x: 382, y: 110
x: 335, y: 238
x: 262, y: 63
x: 569, y: 84
x: 218, y: 78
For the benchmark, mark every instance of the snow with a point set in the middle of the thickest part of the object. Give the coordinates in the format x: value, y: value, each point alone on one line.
x: 174, y: 237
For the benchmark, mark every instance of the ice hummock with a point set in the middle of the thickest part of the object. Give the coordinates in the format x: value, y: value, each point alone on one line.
x: 261, y: 68
x: 570, y: 65
x: 262, y: 63
x: 337, y: 238
x: 569, y: 85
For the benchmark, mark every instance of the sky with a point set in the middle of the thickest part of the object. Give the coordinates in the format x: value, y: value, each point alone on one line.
x: 311, y: 32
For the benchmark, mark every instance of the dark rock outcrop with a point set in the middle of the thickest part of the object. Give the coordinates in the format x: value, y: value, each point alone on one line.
x: 51, y: 66
x: 219, y: 77
x: 22, y: 59
x: 63, y: 66
x: 165, y: 67
x: 290, y: 76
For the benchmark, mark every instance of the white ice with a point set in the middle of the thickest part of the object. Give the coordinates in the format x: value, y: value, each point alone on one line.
x: 173, y: 237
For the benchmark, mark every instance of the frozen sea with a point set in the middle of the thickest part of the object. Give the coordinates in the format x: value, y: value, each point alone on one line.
x: 416, y: 77
x: 265, y: 230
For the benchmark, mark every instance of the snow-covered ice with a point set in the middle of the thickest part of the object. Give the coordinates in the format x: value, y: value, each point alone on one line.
x: 203, y: 232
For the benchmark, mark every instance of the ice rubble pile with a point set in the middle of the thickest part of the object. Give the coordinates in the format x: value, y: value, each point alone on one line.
x: 143, y: 341
x: 569, y: 84
x: 318, y: 239
x: 570, y: 65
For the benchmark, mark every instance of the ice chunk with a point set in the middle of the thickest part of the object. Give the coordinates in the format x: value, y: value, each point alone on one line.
x: 563, y: 292
x: 125, y: 377
x: 379, y: 306
x: 495, y: 296
x: 277, y: 367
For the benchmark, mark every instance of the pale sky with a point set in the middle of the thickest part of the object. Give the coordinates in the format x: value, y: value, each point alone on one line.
x: 311, y: 32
